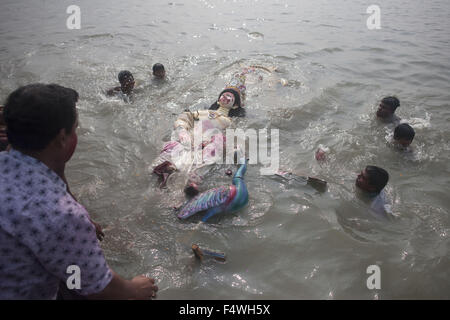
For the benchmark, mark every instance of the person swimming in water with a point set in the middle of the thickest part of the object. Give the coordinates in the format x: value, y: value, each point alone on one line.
x: 403, y: 135
x: 386, y: 109
x: 370, y: 183
x: 158, y: 71
x: 127, y: 83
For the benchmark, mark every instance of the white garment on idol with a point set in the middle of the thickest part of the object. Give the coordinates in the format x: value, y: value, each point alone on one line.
x: 198, y: 138
x: 381, y: 207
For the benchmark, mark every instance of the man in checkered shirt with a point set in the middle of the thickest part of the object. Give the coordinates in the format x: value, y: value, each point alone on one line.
x: 43, y: 229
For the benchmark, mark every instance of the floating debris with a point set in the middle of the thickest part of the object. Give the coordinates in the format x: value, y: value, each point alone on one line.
x: 201, y: 253
x: 256, y: 35
x: 318, y: 184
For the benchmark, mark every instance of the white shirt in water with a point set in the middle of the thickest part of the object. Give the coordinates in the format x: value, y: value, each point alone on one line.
x: 381, y: 207
x: 391, y: 122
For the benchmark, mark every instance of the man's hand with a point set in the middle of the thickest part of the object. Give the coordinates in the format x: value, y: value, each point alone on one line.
x: 144, y: 287
x: 184, y: 137
x: 139, y: 288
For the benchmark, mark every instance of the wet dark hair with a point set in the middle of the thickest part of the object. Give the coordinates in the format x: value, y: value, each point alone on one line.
x: 404, y: 131
x: 158, y: 67
x: 378, y: 177
x: 124, y: 74
x: 238, y: 112
x: 34, y: 114
x: 190, y: 191
x: 392, y: 102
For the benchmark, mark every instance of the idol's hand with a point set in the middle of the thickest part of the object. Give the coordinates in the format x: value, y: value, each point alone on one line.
x: 184, y: 137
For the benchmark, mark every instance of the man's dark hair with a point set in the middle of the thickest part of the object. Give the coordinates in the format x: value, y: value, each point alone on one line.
x: 35, y: 113
x: 158, y: 67
x: 404, y: 131
x: 378, y: 177
x: 392, y: 102
x: 124, y: 74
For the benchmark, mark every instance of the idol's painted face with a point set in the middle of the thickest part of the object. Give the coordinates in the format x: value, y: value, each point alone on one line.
x: 226, y: 99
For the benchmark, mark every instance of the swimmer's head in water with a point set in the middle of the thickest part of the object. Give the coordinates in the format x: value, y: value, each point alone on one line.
x: 191, y: 190
x: 159, y: 71
x: 387, y: 107
x: 404, y: 134
x: 372, y: 179
x: 126, y: 80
